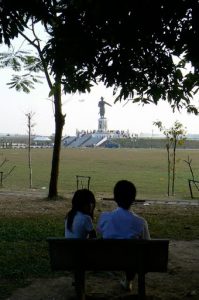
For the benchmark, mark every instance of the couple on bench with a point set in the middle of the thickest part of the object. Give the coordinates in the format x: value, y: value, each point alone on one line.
x: 120, y: 223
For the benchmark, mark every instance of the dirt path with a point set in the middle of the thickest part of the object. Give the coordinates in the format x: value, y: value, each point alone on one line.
x: 181, y: 281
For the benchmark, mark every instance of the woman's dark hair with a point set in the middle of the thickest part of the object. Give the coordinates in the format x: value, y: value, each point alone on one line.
x: 80, y: 200
x: 124, y: 193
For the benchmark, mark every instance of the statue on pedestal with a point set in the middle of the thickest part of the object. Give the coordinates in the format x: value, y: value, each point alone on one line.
x: 101, y: 105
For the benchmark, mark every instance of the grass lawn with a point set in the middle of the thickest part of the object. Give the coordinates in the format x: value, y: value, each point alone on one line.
x: 147, y: 168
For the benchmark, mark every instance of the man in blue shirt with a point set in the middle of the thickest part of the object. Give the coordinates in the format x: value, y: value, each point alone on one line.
x: 122, y: 223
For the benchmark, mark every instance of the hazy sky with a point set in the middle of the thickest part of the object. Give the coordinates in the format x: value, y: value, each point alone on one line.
x: 82, y: 111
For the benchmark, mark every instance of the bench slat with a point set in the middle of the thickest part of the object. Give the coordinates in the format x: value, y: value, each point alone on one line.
x: 109, y: 254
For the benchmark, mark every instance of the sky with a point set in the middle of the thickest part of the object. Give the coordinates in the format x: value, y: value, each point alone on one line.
x: 82, y: 112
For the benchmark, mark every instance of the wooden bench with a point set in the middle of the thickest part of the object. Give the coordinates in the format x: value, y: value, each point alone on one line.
x: 79, y: 256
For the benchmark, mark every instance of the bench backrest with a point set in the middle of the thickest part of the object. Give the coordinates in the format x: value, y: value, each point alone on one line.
x: 108, y: 254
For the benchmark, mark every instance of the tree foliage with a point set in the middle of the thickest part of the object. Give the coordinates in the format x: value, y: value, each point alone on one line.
x: 22, y: 61
x: 14, y: 16
x: 130, y: 45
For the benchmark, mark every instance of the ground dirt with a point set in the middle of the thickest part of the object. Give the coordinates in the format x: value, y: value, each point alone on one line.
x: 180, y: 282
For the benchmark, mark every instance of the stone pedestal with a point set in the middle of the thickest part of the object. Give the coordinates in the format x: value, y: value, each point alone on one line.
x: 102, y: 124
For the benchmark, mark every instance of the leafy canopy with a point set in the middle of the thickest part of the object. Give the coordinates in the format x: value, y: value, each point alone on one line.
x: 130, y: 45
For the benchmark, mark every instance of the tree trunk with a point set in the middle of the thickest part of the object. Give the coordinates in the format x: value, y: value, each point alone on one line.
x: 29, y: 116
x: 174, y: 166
x: 169, y: 168
x: 30, y: 165
x: 59, y: 124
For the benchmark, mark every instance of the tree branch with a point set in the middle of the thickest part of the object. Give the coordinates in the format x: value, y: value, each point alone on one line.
x: 38, y: 48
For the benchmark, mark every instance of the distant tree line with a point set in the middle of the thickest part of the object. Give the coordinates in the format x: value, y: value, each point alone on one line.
x: 148, y: 143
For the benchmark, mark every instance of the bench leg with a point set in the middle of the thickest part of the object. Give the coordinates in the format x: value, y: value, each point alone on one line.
x: 80, y: 284
x: 141, y: 286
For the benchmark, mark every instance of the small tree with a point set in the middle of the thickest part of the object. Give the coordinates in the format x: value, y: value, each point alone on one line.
x: 30, y: 126
x: 175, y: 136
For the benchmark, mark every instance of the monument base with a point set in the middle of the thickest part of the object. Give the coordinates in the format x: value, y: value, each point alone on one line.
x: 102, y: 125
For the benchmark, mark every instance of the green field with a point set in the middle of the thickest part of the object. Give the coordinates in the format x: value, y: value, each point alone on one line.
x: 147, y: 168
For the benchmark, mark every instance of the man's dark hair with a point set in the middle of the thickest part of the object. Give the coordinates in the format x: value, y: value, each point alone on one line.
x: 124, y: 193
